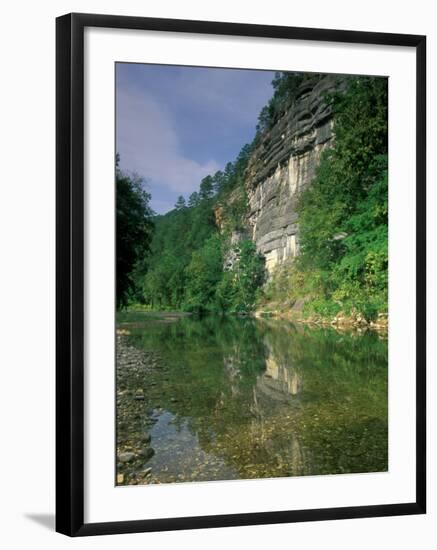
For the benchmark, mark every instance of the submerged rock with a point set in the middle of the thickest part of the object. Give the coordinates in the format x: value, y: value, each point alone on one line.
x: 146, y: 453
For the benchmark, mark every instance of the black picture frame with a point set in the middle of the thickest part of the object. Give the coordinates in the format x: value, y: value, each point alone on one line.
x: 70, y: 273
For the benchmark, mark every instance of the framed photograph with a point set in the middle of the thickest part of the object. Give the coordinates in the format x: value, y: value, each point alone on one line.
x: 240, y: 274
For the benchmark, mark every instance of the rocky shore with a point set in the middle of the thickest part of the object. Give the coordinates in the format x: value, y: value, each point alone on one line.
x: 137, y: 411
x: 341, y: 321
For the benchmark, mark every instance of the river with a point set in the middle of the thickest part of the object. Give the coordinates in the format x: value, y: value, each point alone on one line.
x: 234, y: 398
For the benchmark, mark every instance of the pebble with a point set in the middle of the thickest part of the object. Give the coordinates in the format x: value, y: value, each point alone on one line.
x: 147, y: 453
x: 126, y: 457
x: 139, y: 395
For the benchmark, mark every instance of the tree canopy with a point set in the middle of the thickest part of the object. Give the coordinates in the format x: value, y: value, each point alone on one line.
x: 134, y: 231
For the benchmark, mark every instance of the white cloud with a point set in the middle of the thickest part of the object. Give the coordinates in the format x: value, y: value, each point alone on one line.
x: 148, y: 144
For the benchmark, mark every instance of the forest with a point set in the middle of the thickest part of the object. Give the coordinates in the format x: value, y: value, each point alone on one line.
x: 177, y: 261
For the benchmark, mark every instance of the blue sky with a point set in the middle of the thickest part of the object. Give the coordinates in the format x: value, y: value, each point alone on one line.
x: 175, y: 124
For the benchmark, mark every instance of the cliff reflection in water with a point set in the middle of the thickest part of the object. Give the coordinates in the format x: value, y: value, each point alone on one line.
x: 240, y: 398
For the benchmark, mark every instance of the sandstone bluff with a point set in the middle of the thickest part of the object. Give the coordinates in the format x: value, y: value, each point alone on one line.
x: 282, y: 165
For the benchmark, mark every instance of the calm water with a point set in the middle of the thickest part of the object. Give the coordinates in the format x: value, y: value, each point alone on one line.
x: 228, y: 398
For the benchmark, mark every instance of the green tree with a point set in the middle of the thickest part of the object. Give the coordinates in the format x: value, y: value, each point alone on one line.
x: 218, y: 182
x: 237, y: 290
x: 285, y: 86
x: 193, y: 200
x: 203, y: 274
x: 134, y: 230
x: 179, y: 234
x: 206, y: 189
x: 343, y: 215
x: 180, y: 203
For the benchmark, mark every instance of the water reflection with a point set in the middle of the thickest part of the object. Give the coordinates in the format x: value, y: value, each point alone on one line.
x: 239, y: 398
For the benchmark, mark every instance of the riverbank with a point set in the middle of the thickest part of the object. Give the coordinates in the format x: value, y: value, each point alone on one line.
x: 136, y: 391
x: 295, y: 314
x: 341, y: 321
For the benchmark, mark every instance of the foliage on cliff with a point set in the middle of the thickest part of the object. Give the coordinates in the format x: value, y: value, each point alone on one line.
x: 343, y: 215
x: 285, y: 86
x: 237, y: 289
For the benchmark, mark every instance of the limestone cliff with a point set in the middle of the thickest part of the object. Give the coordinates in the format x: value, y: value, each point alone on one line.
x: 283, y: 164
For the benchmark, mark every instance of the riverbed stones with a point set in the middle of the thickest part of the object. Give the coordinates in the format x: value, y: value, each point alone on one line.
x: 139, y: 395
x: 146, y: 453
x: 138, y: 408
x: 126, y: 457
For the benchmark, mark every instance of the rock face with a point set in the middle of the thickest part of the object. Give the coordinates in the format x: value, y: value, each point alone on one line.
x: 233, y: 255
x: 283, y: 164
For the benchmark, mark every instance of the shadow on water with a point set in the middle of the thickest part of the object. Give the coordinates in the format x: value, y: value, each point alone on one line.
x: 230, y: 398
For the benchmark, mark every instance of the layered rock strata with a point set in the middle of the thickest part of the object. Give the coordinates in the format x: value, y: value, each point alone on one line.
x: 284, y: 164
